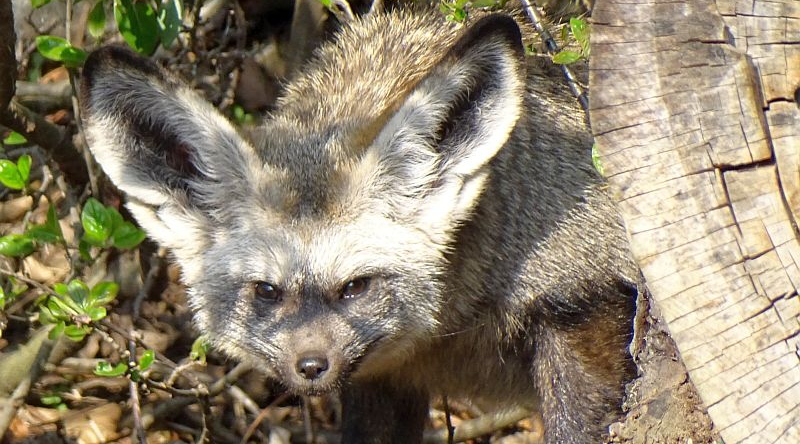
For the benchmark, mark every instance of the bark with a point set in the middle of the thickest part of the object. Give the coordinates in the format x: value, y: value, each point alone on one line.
x: 694, y: 110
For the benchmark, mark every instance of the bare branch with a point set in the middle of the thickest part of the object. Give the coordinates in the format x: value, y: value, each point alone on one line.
x: 35, y: 128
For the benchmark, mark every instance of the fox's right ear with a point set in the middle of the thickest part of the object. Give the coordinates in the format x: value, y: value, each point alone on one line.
x: 174, y: 154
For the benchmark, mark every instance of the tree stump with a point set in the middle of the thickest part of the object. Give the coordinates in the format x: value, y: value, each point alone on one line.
x: 694, y: 107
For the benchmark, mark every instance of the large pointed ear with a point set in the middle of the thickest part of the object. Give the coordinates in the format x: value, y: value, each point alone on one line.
x: 436, y: 147
x: 170, y: 151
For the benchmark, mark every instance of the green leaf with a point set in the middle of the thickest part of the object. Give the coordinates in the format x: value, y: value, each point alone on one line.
x: 97, y: 222
x: 49, y: 232
x: 596, y: 160
x: 241, y: 116
x: 17, y: 286
x: 43, y: 234
x: 14, y: 138
x: 97, y: 20
x: 16, y: 245
x: 566, y: 57
x: 60, y: 288
x: 146, y: 360
x: 60, y: 50
x: 64, y: 307
x: 52, y: 220
x: 138, y: 25
x: 51, y: 400
x: 116, y: 218
x: 199, y: 349
x: 96, y: 313
x: 24, y: 167
x: 2, y: 298
x: 485, y: 3
x: 458, y: 15
x: 10, y: 176
x: 170, y: 20
x: 46, y: 316
x: 128, y: 236
x: 56, y: 331
x: 84, y: 250
x: 103, y: 293
x: 106, y: 369
x: 78, y: 292
x: 76, y: 333
x: 39, y: 3
x: 579, y: 30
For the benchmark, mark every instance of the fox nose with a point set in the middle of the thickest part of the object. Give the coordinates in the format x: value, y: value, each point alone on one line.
x: 311, y: 365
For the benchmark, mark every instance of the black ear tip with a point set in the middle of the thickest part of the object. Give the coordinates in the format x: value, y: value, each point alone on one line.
x: 115, y: 59
x: 497, y: 25
x: 118, y: 57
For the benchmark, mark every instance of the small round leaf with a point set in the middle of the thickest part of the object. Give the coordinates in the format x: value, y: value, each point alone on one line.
x: 97, y: 222
x: 103, y: 293
x: 128, y: 236
x: 24, y: 167
x: 78, y: 292
x: 60, y: 50
x: 10, y: 176
x: 146, y: 360
x: 104, y: 368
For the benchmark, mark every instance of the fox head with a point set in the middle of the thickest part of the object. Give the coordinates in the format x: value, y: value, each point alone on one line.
x: 316, y: 247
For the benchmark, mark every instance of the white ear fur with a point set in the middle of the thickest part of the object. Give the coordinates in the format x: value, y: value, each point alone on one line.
x: 158, y: 141
x: 475, y: 96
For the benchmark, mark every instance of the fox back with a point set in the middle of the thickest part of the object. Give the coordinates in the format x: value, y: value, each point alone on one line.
x: 418, y: 217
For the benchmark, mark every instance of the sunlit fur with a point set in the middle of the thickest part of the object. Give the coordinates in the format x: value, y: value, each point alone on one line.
x: 427, y: 156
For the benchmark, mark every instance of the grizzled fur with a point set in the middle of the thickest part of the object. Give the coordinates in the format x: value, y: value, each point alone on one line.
x: 419, y: 217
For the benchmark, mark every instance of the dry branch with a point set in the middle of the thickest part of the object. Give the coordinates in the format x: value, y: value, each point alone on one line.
x: 52, y: 138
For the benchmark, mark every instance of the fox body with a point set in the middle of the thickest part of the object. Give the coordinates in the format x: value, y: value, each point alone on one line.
x: 418, y: 217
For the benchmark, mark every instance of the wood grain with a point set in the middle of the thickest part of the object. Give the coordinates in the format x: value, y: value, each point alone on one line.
x: 694, y: 110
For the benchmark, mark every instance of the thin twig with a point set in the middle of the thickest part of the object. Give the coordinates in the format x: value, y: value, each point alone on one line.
x: 450, y: 429
x: 552, y: 48
x: 28, y: 281
x: 76, y: 109
x: 206, y: 414
x: 480, y: 426
x: 262, y: 415
x: 136, y: 407
x: 52, y: 138
x: 156, y: 264
x: 307, y: 423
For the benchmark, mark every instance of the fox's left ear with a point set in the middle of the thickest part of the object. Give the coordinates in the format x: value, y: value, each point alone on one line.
x: 452, y: 124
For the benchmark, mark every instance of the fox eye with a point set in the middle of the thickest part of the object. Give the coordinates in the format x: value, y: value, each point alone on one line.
x: 355, y: 288
x: 265, y: 290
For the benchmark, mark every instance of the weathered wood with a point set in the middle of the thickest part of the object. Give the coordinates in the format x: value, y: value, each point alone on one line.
x: 694, y: 109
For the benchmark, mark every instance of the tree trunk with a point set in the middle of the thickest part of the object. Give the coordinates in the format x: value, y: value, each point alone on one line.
x: 694, y: 107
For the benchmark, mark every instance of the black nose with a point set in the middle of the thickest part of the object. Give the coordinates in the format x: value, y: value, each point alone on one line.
x: 312, y: 365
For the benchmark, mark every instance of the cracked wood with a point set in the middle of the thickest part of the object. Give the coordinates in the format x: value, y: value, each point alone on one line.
x: 694, y: 109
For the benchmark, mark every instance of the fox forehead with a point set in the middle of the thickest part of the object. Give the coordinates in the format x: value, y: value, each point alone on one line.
x: 306, y: 252
x: 310, y: 174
